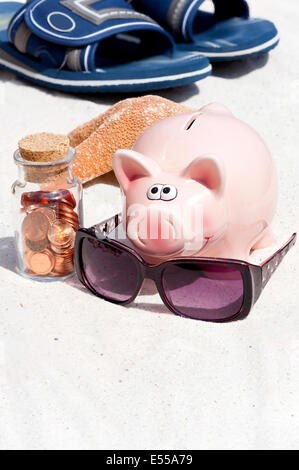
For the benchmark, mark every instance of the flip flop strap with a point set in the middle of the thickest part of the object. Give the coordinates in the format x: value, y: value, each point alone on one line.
x: 178, y: 15
x: 66, y: 32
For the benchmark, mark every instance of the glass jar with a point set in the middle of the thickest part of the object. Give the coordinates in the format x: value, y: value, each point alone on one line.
x: 47, y: 211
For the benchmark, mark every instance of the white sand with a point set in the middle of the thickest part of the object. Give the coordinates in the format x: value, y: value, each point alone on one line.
x: 77, y: 372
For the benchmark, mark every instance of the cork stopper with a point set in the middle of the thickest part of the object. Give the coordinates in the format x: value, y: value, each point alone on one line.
x: 44, y: 147
x: 43, y: 150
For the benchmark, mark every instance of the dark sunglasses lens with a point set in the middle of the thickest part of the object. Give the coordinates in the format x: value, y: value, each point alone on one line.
x: 204, y: 291
x: 111, y: 272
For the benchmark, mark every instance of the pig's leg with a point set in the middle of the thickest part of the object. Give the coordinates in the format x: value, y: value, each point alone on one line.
x: 266, y: 240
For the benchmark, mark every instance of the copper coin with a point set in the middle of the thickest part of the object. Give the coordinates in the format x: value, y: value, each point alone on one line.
x: 75, y: 227
x: 49, y: 213
x: 70, y: 220
x: 65, y: 256
x: 35, y: 226
x: 40, y: 263
x: 63, y: 195
x: 63, y: 250
x: 32, y: 207
x: 62, y: 202
x: 61, y: 233
x: 63, y: 266
x: 65, y: 270
x: 69, y: 202
x: 55, y: 205
x: 62, y: 247
x: 67, y: 210
x: 68, y: 196
x: 71, y: 214
x: 40, y: 245
x: 67, y: 216
x: 62, y: 261
x: 66, y: 207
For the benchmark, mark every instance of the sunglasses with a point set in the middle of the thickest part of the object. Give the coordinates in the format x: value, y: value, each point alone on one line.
x: 208, y: 289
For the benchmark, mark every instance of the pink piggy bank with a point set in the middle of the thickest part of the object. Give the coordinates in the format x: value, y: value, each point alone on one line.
x: 200, y: 184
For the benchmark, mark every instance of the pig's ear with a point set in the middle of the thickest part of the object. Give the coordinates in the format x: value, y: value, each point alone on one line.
x: 208, y: 171
x: 129, y: 166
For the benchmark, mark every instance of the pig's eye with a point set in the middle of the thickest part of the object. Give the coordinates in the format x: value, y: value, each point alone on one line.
x: 155, y: 191
x: 169, y: 192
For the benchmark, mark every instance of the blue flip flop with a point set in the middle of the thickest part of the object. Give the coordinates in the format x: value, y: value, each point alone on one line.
x: 227, y: 34
x: 93, y: 46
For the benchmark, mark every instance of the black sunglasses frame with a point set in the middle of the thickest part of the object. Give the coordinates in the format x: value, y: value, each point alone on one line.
x: 255, y: 277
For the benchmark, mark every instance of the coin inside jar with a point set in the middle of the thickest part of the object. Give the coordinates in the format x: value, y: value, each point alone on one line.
x: 36, y: 246
x: 40, y: 263
x: 35, y: 226
x: 64, y: 265
x: 66, y: 209
x: 60, y: 250
x: 68, y: 217
x: 32, y: 207
x: 65, y: 206
x: 68, y: 197
x: 75, y: 227
x: 61, y: 233
x: 67, y: 202
x: 49, y: 213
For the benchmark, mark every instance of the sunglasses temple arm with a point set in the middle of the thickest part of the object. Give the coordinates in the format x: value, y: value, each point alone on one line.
x: 107, y: 226
x: 271, y: 264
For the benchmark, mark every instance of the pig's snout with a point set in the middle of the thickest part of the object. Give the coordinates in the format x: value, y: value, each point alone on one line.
x: 156, y: 232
